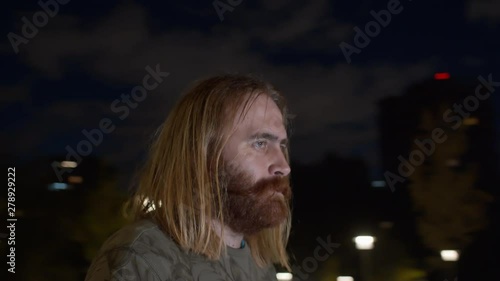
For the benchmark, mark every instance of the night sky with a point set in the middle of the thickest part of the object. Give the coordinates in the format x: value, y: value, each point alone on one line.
x: 66, y: 78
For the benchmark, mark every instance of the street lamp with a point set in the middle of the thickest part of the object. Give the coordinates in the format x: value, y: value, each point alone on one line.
x: 345, y: 278
x: 284, y: 276
x: 365, y: 243
x: 450, y: 255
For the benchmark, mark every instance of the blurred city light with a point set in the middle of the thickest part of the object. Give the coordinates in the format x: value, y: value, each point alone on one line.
x: 69, y: 164
x: 449, y: 255
x: 386, y: 224
x: 149, y: 204
x: 470, y: 121
x: 452, y: 163
x: 364, y: 242
x: 75, y: 179
x: 345, y: 278
x: 284, y: 276
x: 58, y: 186
x: 442, y: 76
x: 378, y: 183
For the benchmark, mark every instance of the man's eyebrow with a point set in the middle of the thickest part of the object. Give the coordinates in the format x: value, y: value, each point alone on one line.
x: 268, y: 136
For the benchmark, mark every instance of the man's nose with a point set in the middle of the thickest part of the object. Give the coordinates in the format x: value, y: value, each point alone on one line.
x: 279, y: 166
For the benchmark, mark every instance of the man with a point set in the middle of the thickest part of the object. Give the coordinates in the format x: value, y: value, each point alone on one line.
x: 213, y: 199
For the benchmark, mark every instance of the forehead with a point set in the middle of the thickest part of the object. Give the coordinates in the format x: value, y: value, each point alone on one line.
x: 262, y: 113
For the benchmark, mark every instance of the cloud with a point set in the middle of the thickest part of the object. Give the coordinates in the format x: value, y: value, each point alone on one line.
x: 14, y: 94
x: 343, y: 94
x: 301, y: 21
x: 57, y: 121
x: 298, y: 27
x: 473, y: 61
x: 483, y: 10
x: 117, y: 48
x: 114, y: 37
x: 348, y: 126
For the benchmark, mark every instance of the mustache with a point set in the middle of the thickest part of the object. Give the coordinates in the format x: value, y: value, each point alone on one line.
x: 277, y: 184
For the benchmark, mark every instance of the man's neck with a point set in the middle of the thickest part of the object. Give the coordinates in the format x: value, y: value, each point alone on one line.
x: 230, y: 238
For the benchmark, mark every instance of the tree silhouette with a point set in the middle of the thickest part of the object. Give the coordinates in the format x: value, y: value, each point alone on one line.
x: 102, y: 216
x: 449, y: 206
x: 58, y: 232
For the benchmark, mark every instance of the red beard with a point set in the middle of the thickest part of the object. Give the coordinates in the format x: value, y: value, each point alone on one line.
x: 250, y: 207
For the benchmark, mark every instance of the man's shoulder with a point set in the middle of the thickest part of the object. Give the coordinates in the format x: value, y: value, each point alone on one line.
x: 137, y: 246
x: 139, y: 236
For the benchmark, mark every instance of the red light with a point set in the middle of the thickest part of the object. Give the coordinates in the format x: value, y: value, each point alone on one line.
x: 442, y: 76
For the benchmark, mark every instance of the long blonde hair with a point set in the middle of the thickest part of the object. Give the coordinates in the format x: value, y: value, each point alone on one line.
x: 180, y: 177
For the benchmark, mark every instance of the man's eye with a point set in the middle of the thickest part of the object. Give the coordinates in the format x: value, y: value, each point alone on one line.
x: 260, y: 144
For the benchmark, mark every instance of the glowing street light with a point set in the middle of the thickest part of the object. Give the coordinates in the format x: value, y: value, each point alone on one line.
x: 345, y: 278
x: 450, y: 255
x: 68, y: 164
x: 284, y: 276
x: 364, y: 242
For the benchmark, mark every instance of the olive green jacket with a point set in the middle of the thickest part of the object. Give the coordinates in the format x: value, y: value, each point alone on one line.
x: 141, y: 251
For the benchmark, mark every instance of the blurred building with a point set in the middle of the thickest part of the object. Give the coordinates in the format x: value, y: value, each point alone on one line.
x: 400, y: 119
x: 472, y: 127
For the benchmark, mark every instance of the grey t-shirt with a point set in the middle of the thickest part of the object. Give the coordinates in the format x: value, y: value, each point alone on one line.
x: 141, y: 251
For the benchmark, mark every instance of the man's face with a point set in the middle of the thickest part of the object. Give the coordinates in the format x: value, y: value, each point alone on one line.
x: 255, y: 171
